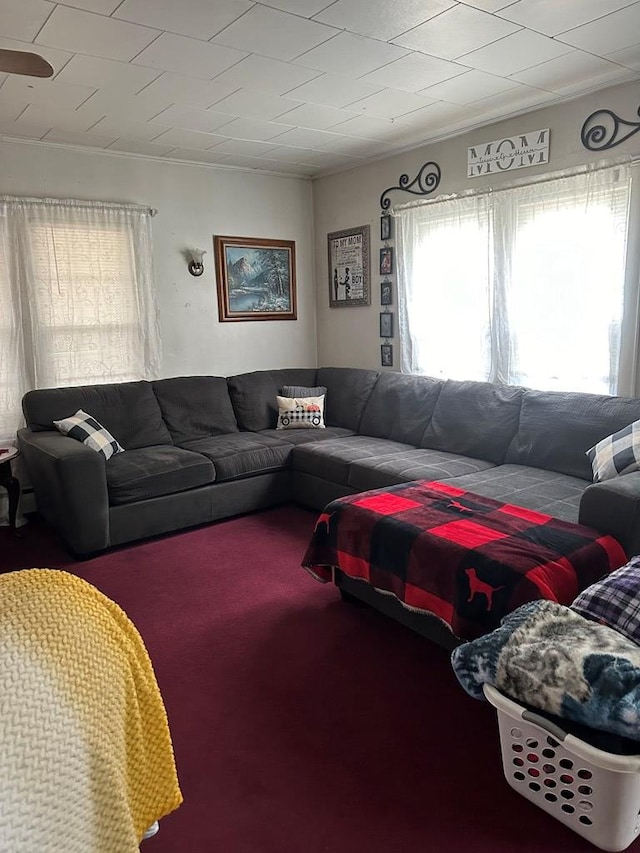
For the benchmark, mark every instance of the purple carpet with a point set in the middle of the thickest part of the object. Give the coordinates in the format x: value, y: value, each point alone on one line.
x: 301, y: 724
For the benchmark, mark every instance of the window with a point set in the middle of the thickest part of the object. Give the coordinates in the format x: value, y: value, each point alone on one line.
x: 523, y: 286
x: 78, y: 305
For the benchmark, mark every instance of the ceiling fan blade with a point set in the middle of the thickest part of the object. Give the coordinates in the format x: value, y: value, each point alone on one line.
x: 21, y: 62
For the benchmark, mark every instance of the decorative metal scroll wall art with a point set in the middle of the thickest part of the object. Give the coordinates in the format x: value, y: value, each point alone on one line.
x: 604, y: 129
x: 425, y: 182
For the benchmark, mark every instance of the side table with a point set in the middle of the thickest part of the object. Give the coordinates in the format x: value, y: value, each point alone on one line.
x: 10, y: 483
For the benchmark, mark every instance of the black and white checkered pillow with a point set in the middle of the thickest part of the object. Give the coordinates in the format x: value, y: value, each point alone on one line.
x: 616, y: 454
x: 300, y: 413
x: 86, y: 429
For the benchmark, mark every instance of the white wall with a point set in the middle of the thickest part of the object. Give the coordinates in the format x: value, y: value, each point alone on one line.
x: 349, y: 335
x: 194, y: 203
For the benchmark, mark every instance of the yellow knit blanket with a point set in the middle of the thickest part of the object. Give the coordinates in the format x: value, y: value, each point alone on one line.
x: 86, y: 761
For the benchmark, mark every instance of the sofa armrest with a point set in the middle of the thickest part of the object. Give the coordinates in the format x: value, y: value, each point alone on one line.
x: 613, y: 507
x: 70, y: 485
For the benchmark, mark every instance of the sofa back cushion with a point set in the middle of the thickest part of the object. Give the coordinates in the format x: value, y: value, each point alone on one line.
x: 558, y: 427
x: 253, y: 395
x: 348, y: 390
x: 129, y: 410
x: 400, y: 407
x: 476, y: 419
x: 195, y: 406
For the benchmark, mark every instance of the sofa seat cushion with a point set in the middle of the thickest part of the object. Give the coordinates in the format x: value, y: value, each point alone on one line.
x: 533, y: 488
x: 242, y: 454
x: 303, y: 436
x: 413, y: 464
x: 331, y: 460
x: 149, y: 472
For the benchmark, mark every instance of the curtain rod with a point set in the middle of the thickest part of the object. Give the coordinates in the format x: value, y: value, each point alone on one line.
x: 72, y: 202
x: 516, y: 184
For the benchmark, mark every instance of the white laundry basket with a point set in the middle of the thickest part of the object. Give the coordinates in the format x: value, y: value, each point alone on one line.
x: 595, y: 793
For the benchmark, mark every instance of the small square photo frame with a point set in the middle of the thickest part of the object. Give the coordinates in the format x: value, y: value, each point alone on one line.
x: 386, y: 260
x: 386, y: 292
x: 385, y: 227
x: 386, y: 355
x: 386, y: 324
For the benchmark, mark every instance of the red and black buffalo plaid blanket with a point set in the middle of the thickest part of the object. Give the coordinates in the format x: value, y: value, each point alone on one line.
x: 467, y: 559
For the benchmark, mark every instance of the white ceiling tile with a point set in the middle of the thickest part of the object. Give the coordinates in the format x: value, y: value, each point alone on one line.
x: 328, y: 159
x: 106, y: 74
x: 70, y: 137
x: 132, y: 146
x: 270, y: 32
x: 141, y: 131
x: 332, y: 90
x: 22, y: 19
x: 630, y: 57
x: 188, y: 138
x: 84, y: 32
x: 32, y: 131
x: 415, y: 72
x: 303, y: 137
x: 107, y: 102
x: 187, y: 118
x: 253, y: 129
x: 469, y: 87
x: 198, y: 18
x: 102, y: 7
x: 196, y: 155
x: 272, y: 75
x: 188, y: 56
x: 436, y: 115
x: 246, y: 147
x: 291, y: 154
x: 488, y: 5
x: 381, y: 19
x: 55, y: 117
x: 566, y: 71
x: 351, y: 55
x: 456, y: 32
x: 250, y: 103
x: 354, y: 146
x: 32, y: 90
x: 306, y: 8
x: 507, y: 103
x: 314, y: 116
x: 57, y: 58
x: 552, y: 17
x: 391, y: 103
x: 10, y: 110
x: 369, y: 127
x: 514, y: 53
x: 187, y: 91
x: 613, y: 32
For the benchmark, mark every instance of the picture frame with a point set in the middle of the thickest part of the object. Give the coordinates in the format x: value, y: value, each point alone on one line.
x: 386, y: 292
x: 255, y: 278
x: 385, y: 227
x: 386, y: 355
x: 349, y: 266
x: 386, y: 324
x: 386, y: 260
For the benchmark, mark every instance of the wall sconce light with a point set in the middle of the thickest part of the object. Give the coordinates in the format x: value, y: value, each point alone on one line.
x: 195, y: 265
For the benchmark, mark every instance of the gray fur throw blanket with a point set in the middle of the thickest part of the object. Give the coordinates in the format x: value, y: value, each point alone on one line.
x: 549, y: 657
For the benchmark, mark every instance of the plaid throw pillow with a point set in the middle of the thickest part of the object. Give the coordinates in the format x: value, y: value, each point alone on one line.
x: 616, y: 454
x: 303, y: 391
x: 614, y: 600
x: 300, y: 413
x: 86, y: 429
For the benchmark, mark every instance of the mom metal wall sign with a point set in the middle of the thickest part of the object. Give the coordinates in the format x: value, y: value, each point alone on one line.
x: 512, y: 152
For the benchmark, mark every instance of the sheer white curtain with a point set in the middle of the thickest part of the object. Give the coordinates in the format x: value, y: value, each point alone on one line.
x: 77, y: 298
x: 526, y: 286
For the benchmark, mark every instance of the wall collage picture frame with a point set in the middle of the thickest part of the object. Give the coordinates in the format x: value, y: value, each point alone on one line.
x: 386, y: 270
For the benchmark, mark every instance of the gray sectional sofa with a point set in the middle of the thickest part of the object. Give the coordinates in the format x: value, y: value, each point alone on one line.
x: 202, y: 448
